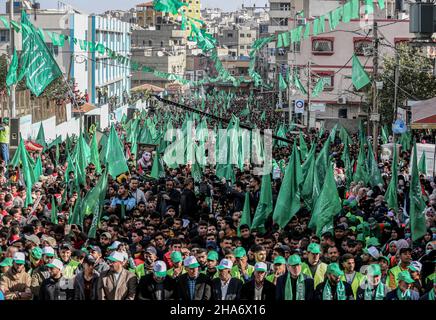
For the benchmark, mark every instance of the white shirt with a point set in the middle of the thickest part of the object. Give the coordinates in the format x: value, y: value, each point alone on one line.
x: 224, y: 287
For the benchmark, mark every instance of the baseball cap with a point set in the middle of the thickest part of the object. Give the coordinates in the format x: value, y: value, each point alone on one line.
x: 160, y: 269
x: 260, y: 266
x: 66, y: 246
x: 285, y: 248
x: 314, y: 248
x: 240, y: 252
x: 333, y: 268
x: 373, y: 252
x: 95, y: 248
x: 7, y: 262
x: 56, y: 263
x: 405, y: 276
x: 176, y: 256
x: 36, y: 253
x: 48, y: 251
x: 106, y: 234
x: 191, y: 262
x: 415, y: 266
x: 19, y: 258
x: 383, y: 258
x: 373, y: 241
x: 212, y: 255
x: 114, y: 245
x: 116, y: 256
x: 403, y: 250
x: 33, y: 238
x: 374, y: 269
x: 90, y: 260
x: 5, y: 120
x: 225, y: 264
x: 151, y: 250
x: 294, y: 260
x: 279, y: 260
x: 211, y: 244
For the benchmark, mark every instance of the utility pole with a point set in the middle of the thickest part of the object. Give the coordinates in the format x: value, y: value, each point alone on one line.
x: 309, y: 79
x: 397, y: 79
x: 375, y: 115
x: 13, y: 107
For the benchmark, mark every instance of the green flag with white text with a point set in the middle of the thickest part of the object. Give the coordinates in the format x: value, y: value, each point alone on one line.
x: 417, y: 204
x: 358, y: 75
x: 265, y: 205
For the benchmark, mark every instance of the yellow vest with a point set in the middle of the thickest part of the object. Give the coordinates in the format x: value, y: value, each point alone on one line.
x: 70, y: 269
x: 237, y: 274
x: 395, y: 271
x: 319, y: 273
x: 170, y: 272
x: 4, y: 135
x: 355, y: 284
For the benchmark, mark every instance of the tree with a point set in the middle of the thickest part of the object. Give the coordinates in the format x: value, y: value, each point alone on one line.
x: 416, y: 78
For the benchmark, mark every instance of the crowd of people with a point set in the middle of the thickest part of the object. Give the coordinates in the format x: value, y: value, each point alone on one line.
x: 174, y: 238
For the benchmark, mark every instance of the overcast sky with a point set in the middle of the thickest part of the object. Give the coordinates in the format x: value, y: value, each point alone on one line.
x: 98, y: 6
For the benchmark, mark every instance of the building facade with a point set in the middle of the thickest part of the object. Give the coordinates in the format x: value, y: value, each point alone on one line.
x: 238, y: 39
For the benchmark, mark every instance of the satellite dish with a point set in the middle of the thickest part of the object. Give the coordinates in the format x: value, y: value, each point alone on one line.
x: 160, y: 54
x: 399, y: 127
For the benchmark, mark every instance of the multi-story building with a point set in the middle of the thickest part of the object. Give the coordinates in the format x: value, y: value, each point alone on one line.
x: 329, y: 56
x: 108, y: 75
x: 147, y: 16
x: 238, y: 39
x: 163, y: 50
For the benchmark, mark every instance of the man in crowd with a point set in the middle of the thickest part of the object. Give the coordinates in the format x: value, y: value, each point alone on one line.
x: 225, y: 287
x: 193, y: 285
x: 258, y: 288
x: 314, y: 268
x: 157, y: 285
x: 15, y: 283
x: 294, y: 285
x: 333, y: 288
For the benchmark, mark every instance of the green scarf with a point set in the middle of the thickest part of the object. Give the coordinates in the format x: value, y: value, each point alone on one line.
x: 379, y: 292
x: 403, y: 296
x: 340, y: 291
x: 431, y: 295
x: 300, y: 288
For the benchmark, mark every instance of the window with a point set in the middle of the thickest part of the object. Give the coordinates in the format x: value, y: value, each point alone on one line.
x: 285, y: 6
x: 161, y: 44
x: 53, y: 49
x: 343, y: 113
x: 362, y: 46
x: 150, y: 43
x: 229, y: 35
x: 4, y: 35
x: 401, y: 41
x: 248, y: 35
x: 322, y: 46
x: 242, y: 35
x: 283, y: 21
x: 241, y: 47
x: 328, y: 79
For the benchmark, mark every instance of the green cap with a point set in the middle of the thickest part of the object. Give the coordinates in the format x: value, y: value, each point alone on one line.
x: 240, y: 252
x: 176, y: 256
x: 279, y: 260
x: 360, y: 237
x: 353, y: 204
x: 36, y: 253
x: 372, y: 242
x: 84, y: 250
x: 384, y: 258
x: 294, y: 260
x: 405, y: 276
x: 7, y: 262
x: 314, y: 248
x: 374, y: 269
x: 412, y: 268
x: 5, y: 120
x: 333, y: 268
x: 212, y: 255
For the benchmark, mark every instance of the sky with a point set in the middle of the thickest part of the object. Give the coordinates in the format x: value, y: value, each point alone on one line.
x: 99, y: 6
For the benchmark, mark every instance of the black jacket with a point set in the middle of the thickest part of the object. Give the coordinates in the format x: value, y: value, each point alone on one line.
x: 147, y: 288
x: 233, y: 290
x: 281, y: 285
x: 55, y: 289
x: 188, y: 204
x: 392, y: 295
x: 203, y: 288
x: 320, y: 288
x: 268, y: 291
x: 79, y: 286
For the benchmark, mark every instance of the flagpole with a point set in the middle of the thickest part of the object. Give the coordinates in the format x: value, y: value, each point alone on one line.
x: 13, y: 107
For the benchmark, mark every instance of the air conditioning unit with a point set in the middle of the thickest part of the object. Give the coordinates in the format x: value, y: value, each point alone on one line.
x: 301, y: 22
x: 342, y: 100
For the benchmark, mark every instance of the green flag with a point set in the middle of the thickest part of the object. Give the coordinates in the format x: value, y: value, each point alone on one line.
x: 246, y: 213
x: 384, y: 134
x: 40, y: 138
x: 38, y: 168
x: 157, y: 170
x: 263, y: 116
x: 282, y: 83
x: 54, y: 211
x: 327, y: 205
x: 265, y: 205
x: 303, y: 147
x: 319, y: 87
x: 374, y: 174
x: 288, y: 199
x: 11, y: 77
x: 77, y: 217
x: 26, y: 170
x: 310, y: 189
x: 417, y: 204
x: 391, y: 195
x: 116, y: 161
x: 358, y: 74
x: 40, y: 68
x: 91, y: 204
x: 422, y: 165
x: 361, y: 173
x: 94, y: 157
x: 322, y: 161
